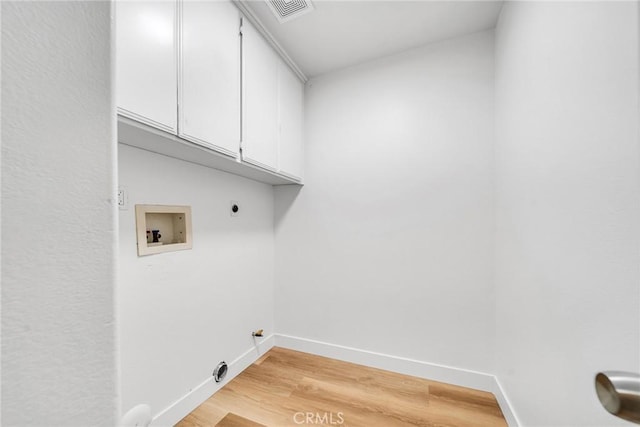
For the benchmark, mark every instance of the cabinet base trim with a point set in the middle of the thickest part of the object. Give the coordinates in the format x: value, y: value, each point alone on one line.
x: 149, y: 122
x: 145, y: 137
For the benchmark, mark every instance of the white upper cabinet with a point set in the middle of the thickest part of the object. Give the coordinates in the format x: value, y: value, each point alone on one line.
x: 209, y: 88
x: 199, y: 72
x: 260, y: 96
x: 291, y: 116
x: 146, y: 56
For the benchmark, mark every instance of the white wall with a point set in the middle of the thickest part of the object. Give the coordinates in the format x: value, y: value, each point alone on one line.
x: 388, y: 246
x: 58, y: 215
x: 180, y: 313
x: 568, y: 204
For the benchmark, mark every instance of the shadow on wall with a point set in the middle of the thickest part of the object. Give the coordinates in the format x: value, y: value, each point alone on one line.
x: 285, y: 196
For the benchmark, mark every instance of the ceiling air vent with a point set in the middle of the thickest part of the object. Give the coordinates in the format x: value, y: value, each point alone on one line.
x: 286, y: 10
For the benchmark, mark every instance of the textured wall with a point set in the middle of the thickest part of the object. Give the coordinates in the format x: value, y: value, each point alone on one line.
x: 58, y: 217
x: 567, y: 204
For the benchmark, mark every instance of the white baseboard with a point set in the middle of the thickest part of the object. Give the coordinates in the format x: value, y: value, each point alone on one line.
x: 505, y: 405
x: 183, y: 406
x: 416, y: 368
x: 447, y: 374
x: 402, y: 365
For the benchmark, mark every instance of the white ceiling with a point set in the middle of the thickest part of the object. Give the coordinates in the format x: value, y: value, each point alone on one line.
x: 338, y: 34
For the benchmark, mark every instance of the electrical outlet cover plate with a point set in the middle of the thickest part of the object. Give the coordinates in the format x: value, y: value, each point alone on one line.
x: 123, y: 199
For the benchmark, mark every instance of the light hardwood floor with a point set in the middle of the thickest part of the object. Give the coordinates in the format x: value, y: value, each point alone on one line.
x: 288, y: 388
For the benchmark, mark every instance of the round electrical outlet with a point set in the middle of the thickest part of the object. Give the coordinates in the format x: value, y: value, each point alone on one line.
x: 235, y: 208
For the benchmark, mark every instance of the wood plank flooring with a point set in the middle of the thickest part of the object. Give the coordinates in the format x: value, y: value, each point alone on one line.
x: 288, y: 388
x: 233, y: 420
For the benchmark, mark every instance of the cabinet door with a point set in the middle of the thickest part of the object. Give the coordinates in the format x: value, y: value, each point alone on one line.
x: 260, y: 95
x: 210, y: 75
x: 146, y: 66
x: 291, y: 113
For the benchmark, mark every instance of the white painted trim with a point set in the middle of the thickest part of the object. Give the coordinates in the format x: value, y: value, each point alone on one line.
x: 505, y: 404
x: 251, y: 16
x: 290, y: 175
x: 183, y: 406
x: 146, y: 121
x: 225, y: 152
x: 448, y: 374
x: 145, y: 137
x: 258, y: 164
x: 403, y: 365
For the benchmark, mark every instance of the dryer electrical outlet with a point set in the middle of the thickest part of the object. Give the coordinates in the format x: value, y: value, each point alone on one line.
x: 234, y: 208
